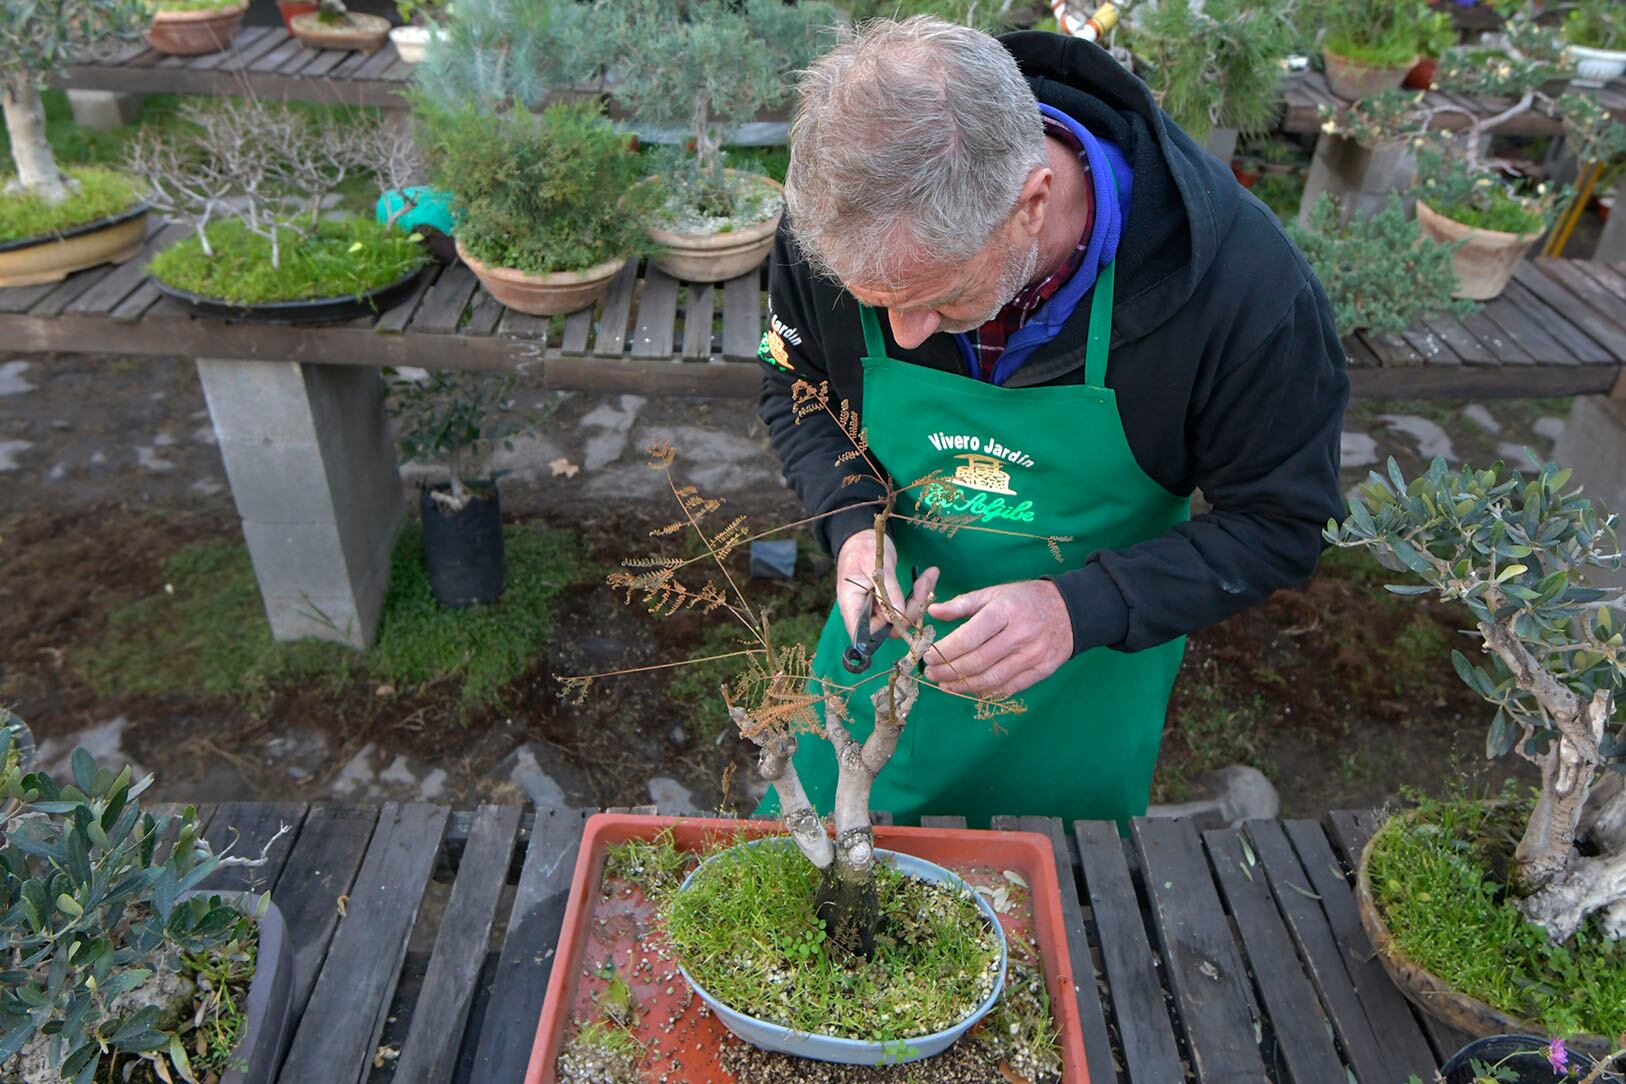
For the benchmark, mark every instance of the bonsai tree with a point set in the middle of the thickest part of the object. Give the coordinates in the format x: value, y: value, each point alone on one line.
x: 1378, y: 273
x: 704, y: 65
x: 1595, y: 24
x: 1216, y: 64
x: 1515, y: 553
x: 455, y: 420
x: 1381, y: 34
x: 97, y: 936
x: 36, y: 39
x: 494, y: 54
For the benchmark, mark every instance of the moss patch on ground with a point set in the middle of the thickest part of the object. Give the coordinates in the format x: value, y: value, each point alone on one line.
x: 102, y: 193
x: 341, y: 259
x: 206, y: 634
x: 1437, y: 878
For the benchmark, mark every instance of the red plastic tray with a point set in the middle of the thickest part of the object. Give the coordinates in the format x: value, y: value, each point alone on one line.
x: 696, y: 1034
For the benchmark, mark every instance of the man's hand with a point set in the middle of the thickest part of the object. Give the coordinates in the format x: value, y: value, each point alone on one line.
x: 855, y: 561
x: 1018, y: 634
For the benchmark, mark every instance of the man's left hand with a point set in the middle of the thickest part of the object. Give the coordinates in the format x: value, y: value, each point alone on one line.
x: 1017, y: 634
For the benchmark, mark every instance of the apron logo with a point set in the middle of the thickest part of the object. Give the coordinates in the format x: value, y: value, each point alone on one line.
x: 771, y: 351
x: 983, y: 472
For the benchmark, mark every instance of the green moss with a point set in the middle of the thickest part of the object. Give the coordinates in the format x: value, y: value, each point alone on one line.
x: 1496, y: 209
x: 192, y: 5
x: 206, y: 634
x: 1391, y: 52
x: 746, y: 930
x: 341, y: 259
x: 101, y: 193
x: 1435, y: 879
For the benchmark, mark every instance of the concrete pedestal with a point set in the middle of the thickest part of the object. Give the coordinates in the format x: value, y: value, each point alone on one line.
x: 1359, y: 177
x: 104, y: 108
x: 1222, y: 144
x: 312, y: 466
x: 1594, y: 445
x: 1612, y: 242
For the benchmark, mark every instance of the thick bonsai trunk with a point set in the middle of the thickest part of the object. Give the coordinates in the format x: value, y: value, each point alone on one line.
x: 1587, y: 885
x: 37, y: 171
x: 801, y: 820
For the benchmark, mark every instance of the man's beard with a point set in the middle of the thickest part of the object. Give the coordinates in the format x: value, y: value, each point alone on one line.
x: 1013, y: 279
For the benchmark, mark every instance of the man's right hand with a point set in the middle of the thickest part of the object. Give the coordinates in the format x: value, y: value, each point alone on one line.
x: 855, y: 561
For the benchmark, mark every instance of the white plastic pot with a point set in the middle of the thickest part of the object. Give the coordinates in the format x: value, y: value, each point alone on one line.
x: 1595, y: 67
x: 411, y: 43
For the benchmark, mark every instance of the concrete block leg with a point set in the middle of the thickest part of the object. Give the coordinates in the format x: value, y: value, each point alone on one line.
x: 1612, y: 242
x: 104, y: 108
x: 1360, y: 178
x: 311, y: 461
x: 1594, y: 445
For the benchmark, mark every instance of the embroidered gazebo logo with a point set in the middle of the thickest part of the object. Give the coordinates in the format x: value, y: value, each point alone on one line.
x: 982, y: 472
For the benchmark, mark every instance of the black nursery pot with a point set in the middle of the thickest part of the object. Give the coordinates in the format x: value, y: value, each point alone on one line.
x: 464, y: 549
x: 1526, y: 1059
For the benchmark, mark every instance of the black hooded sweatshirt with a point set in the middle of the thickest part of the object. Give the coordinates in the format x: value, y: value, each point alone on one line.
x: 1228, y: 373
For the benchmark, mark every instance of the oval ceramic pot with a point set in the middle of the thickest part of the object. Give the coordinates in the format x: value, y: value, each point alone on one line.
x: 544, y: 295
x: 1486, y: 261
x: 716, y: 257
x: 291, y: 8
x: 53, y: 257
x: 1595, y: 67
x: 315, y: 310
x: 362, y: 33
x: 411, y: 43
x: 1433, y: 994
x: 193, y: 33
x: 1351, y: 80
x: 780, y: 1039
x: 1522, y: 1056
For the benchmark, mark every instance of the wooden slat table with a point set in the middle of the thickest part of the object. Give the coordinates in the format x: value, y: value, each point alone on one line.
x: 1230, y: 955
x: 1560, y: 329
x: 1304, y: 93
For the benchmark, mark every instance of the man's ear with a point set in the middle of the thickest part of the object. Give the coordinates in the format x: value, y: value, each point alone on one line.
x: 1034, y: 201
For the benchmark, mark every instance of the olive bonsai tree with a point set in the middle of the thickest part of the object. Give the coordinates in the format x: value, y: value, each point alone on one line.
x: 1516, y: 552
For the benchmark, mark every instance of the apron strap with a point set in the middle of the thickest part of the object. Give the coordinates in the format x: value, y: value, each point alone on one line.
x: 1100, y: 337
x: 874, y: 343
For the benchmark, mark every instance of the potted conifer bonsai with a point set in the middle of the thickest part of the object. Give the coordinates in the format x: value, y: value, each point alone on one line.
x: 1535, y: 886
x: 1371, y: 45
x: 703, y: 66
x: 257, y: 183
x: 54, y: 221
x: 455, y: 421
x: 117, y: 961
x: 194, y: 27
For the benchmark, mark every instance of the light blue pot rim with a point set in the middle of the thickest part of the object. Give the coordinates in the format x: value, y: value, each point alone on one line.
x: 767, y: 1035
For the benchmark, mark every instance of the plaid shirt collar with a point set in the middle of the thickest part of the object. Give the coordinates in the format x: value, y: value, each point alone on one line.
x: 988, y: 341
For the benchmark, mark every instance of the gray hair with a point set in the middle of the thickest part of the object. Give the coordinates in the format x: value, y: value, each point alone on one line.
x: 910, y: 144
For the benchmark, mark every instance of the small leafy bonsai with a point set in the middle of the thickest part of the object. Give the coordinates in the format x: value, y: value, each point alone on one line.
x: 1216, y: 64
x: 1595, y: 24
x: 36, y: 40
x: 1376, y: 33
x: 101, y: 947
x: 455, y: 420
x: 1516, y: 553
x: 252, y: 180
x: 1379, y: 272
x: 706, y: 65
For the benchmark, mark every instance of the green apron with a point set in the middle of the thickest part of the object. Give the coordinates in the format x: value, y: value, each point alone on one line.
x: 1046, y: 461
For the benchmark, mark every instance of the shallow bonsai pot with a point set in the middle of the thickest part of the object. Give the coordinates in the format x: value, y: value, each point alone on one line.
x: 362, y: 33
x: 268, y: 1016
x: 1350, y: 79
x: 780, y: 1039
x: 716, y: 257
x: 544, y: 295
x: 1595, y: 67
x: 1486, y: 262
x: 193, y: 33
x: 52, y: 257
x: 1432, y: 994
x: 290, y: 8
x: 411, y: 42
x: 316, y: 310
x: 464, y: 549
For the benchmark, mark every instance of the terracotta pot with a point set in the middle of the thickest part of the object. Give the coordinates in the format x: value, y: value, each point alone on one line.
x: 1485, y: 263
x: 716, y: 257
x: 570, y: 980
x: 1246, y: 173
x: 544, y: 295
x: 193, y: 33
x: 1421, y: 76
x: 362, y: 33
x: 1433, y: 994
x: 1350, y: 79
x: 53, y: 258
x: 290, y: 8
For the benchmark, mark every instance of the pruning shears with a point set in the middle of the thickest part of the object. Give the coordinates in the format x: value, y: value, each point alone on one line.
x: 861, y: 655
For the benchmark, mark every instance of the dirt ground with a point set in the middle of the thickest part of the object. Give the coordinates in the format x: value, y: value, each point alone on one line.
x: 1341, y: 693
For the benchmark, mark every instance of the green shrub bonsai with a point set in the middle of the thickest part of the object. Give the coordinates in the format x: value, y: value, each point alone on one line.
x: 494, y: 54
x: 1515, y: 552
x: 95, y: 926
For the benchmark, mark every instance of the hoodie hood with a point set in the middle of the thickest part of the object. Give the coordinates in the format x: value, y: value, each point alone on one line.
x: 1184, y: 199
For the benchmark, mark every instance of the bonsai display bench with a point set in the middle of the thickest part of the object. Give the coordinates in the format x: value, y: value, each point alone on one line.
x: 423, y: 940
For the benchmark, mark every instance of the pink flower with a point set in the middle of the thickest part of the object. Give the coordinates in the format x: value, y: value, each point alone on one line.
x: 1557, y: 1056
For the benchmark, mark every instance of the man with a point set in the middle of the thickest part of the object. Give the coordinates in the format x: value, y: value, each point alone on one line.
x: 1027, y: 279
